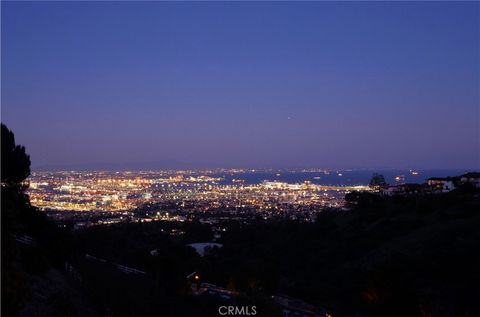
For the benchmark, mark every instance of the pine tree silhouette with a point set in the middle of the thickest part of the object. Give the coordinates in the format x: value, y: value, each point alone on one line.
x: 15, y: 161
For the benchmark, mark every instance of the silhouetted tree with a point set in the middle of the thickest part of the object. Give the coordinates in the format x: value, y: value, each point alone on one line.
x: 15, y: 206
x: 378, y: 181
x: 15, y: 161
x: 19, y: 217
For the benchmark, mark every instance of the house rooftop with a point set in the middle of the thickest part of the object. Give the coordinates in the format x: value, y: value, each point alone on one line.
x: 471, y: 175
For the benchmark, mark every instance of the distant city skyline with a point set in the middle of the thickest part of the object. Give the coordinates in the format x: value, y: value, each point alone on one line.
x: 251, y: 84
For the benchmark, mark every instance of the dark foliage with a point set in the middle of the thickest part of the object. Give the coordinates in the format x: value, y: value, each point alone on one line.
x: 15, y: 161
x: 401, y: 256
x: 378, y: 180
x: 388, y: 256
x: 21, y: 263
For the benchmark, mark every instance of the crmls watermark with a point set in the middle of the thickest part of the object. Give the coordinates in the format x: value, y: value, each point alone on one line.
x: 237, y: 310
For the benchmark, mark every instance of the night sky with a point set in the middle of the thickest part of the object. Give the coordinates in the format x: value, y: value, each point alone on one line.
x: 310, y: 84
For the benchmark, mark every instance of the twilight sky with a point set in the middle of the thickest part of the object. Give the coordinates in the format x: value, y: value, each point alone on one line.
x: 255, y: 84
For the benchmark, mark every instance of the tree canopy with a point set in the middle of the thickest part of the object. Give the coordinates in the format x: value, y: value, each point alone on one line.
x: 15, y: 161
x: 378, y: 180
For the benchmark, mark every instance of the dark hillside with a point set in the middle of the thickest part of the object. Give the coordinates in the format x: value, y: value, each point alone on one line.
x: 409, y: 256
x: 34, y: 250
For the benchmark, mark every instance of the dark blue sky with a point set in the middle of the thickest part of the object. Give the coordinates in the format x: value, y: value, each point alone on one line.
x: 331, y: 84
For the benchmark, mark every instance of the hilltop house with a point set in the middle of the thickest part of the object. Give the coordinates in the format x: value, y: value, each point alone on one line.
x: 471, y: 178
x: 443, y: 184
x: 434, y: 185
x: 404, y: 189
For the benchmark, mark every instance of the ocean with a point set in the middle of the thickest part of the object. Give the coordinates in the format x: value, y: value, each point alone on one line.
x: 340, y: 177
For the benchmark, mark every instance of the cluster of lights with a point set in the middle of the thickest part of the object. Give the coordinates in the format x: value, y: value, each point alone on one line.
x: 123, y: 191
